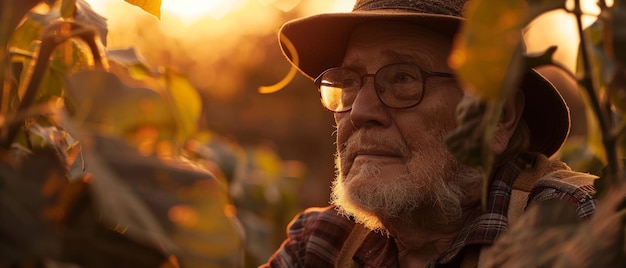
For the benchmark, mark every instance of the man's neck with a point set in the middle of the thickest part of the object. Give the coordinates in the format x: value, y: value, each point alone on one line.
x: 417, y: 246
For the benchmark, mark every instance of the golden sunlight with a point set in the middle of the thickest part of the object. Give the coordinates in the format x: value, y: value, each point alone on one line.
x: 558, y: 27
x: 191, y: 11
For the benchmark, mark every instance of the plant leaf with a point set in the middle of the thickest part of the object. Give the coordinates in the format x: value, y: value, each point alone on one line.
x: 599, y: 66
x: 28, y: 192
x: 487, y: 58
x: 186, y: 103
x: 10, y: 20
x: 487, y: 43
x: 151, y: 6
x: 183, y: 210
x: 68, y: 9
x: 107, y: 105
x: 85, y: 14
x: 619, y: 32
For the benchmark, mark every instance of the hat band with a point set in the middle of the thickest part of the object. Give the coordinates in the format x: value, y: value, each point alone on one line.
x: 450, y: 7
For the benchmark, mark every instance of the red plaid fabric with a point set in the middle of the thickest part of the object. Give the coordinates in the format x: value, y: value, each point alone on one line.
x: 316, y: 235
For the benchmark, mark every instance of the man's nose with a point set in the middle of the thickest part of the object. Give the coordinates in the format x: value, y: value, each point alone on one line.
x: 367, y: 109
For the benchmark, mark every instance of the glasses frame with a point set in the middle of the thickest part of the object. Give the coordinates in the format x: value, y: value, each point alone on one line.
x: 424, y: 73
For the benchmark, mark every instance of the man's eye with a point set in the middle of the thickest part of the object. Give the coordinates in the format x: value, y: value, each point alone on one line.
x: 400, y: 78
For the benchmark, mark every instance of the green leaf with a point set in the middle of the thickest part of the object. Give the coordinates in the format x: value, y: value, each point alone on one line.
x: 488, y: 42
x: 619, y: 32
x: 488, y: 60
x: 134, y: 66
x: 105, y: 104
x: 68, y: 9
x: 10, y: 20
x: 181, y: 96
x: 616, y: 46
x: 68, y: 58
x: 617, y: 90
x: 27, y: 33
x: 186, y: 103
x: 151, y: 6
x: 577, y: 154
x: 599, y: 66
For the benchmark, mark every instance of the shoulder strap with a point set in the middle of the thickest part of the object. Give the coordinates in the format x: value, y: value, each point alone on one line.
x: 350, y: 246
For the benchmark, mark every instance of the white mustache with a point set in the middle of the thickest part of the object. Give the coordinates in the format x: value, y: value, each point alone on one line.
x: 372, y: 141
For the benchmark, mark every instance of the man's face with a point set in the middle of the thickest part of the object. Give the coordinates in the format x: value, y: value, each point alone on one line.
x: 392, y: 163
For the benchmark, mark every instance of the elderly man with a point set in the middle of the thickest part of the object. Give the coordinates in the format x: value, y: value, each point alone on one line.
x: 400, y: 197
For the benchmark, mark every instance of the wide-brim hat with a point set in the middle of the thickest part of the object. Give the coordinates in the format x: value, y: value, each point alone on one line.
x: 320, y: 43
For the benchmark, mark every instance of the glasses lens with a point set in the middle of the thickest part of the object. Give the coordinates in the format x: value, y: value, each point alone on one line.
x: 338, y: 88
x: 399, y: 85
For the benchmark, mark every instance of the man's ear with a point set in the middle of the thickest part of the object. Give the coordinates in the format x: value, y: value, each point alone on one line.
x: 511, y: 114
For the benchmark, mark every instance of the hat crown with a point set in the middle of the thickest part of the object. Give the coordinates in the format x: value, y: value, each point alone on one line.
x: 441, y: 7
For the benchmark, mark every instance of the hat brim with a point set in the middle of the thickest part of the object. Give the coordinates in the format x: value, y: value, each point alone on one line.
x: 320, y: 43
x: 321, y: 39
x: 546, y: 114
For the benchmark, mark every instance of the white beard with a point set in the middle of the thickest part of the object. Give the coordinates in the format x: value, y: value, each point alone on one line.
x: 427, y: 195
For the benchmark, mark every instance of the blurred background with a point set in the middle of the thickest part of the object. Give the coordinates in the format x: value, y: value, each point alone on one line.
x: 228, y: 49
x: 276, y: 150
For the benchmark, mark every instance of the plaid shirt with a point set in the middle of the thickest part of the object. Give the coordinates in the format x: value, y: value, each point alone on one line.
x: 316, y: 236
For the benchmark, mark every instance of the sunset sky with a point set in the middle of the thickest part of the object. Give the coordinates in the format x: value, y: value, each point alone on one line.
x: 214, y: 17
x: 191, y: 11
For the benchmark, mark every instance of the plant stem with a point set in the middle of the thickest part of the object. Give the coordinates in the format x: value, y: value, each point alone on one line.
x: 604, y: 116
x: 54, y: 35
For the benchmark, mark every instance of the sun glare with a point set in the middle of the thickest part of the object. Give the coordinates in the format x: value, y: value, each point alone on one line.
x: 191, y: 11
x: 558, y: 27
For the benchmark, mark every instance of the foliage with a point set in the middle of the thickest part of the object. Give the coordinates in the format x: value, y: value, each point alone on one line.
x: 93, y: 171
x: 151, y: 6
x: 491, y: 38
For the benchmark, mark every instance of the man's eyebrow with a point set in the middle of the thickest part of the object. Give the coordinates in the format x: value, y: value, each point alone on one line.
x: 422, y: 60
x: 397, y: 56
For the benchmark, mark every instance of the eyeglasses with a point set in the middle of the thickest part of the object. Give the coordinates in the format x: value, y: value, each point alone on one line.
x: 399, y: 86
